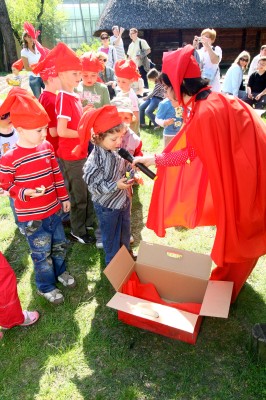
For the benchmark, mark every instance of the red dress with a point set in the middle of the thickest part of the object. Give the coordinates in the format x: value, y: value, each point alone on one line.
x: 225, y: 187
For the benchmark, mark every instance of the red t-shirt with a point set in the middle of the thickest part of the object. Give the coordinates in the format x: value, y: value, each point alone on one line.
x: 47, y: 100
x: 68, y: 105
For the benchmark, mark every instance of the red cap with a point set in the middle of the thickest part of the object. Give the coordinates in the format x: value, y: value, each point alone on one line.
x: 91, y: 63
x: 99, y: 120
x: 180, y: 64
x: 127, y: 69
x: 45, y: 68
x: 18, y: 64
x: 25, y: 110
x: 62, y: 57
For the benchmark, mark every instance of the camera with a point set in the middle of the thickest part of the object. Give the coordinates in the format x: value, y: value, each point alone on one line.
x: 198, y: 39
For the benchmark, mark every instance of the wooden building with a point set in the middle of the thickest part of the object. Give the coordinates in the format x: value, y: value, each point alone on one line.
x: 168, y: 24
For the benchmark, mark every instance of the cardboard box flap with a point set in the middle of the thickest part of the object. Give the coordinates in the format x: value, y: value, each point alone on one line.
x: 216, y: 302
x: 181, y: 261
x: 154, y: 312
x: 119, y: 268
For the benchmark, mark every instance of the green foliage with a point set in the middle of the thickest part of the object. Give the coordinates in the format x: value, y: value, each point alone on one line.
x: 52, y: 19
x: 93, y: 45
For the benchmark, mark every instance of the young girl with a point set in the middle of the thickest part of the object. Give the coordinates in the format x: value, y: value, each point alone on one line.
x: 104, y: 173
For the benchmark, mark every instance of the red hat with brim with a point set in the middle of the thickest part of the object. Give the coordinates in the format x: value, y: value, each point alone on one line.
x: 25, y: 110
x: 96, y: 121
x: 180, y: 64
x: 18, y: 64
x: 127, y: 69
x: 90, y: 63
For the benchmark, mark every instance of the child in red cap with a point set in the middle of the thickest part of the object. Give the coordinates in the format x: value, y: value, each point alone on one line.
x: 16, y: 79
x: 126, y: 72
x: 69, y: 110
x: 32, y: 177
x: 93, y: 94
x: 104, y: 173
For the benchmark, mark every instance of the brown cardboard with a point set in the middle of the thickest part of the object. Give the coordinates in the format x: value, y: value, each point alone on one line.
x: 179, y: 276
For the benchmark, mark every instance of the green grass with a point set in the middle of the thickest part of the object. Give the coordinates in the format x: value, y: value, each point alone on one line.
x: 80, y: 350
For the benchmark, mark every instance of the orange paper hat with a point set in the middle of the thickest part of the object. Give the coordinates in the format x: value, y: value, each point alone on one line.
x: 127, y: 69
x: 25, y: 110
x: 91, y: 63
x: 18, y: 64
x: 45, y: 68
x: 180, y: 64
x: 99, y: 120
x: 62, y: 57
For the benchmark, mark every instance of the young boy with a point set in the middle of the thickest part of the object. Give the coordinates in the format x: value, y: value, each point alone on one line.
x: 69, y: 110
x: 31, y: 175
x: 126, y: 72
x: 91, y: 92
x: 104, y: 173
x: 16, y: 79
x: 152, y: 101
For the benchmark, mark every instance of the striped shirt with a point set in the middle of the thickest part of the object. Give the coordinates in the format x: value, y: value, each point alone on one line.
x: 29, y: 168
x: 102, y: 170
x: 158, y: 91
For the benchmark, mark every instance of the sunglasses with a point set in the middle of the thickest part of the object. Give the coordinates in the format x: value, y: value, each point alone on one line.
x: 105, y: 38
x: 4, y: 116
x: 244, y: 59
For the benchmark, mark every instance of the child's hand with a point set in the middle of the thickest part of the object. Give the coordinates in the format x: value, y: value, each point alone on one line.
x: 37, y: 192
x: 169, y: 121
x: 66, y: 206
x: 3, y: 192
x: 123, y: 183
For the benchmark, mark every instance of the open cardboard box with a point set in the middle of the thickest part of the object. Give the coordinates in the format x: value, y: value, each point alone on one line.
x: 179, y: 276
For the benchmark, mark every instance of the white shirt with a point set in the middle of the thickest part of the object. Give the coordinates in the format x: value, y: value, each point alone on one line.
x: 33, y: 58
x: 210, y: 70
x: 134, y: 50
x: 232, y: 80
x: 253, y: 65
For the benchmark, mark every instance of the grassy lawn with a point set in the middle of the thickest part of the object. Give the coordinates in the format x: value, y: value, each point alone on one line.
x: 79, y: 350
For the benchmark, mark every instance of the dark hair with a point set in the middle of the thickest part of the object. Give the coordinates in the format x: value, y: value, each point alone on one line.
x: 189, y: 86
x: 153, y: 74
x: 97, y: 139
x: 104, y: 34
x: 25, y: 43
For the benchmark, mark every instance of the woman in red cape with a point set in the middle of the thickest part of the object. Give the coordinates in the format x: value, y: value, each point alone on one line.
x: 213, y: 172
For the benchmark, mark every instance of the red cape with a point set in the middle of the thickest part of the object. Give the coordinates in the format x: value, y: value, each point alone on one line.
x: 224, y: 186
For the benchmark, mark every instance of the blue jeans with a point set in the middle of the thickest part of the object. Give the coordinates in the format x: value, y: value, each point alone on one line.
x: 47, y: 242
x: 148, y: 107
x: 115, y: 228
x: 36, y: 85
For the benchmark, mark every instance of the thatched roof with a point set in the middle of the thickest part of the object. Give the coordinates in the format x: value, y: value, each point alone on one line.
x: 183, y: 14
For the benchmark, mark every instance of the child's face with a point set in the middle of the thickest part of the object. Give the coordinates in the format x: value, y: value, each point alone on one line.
x: 5, y: 121
x: 69, y: 79
x: 15, y: 71
x: 124, y: 84
x: 126, y: 117
x: 89, y: 78
x: 112, y: 141
x: 262, y: 65
x: 31, y: 137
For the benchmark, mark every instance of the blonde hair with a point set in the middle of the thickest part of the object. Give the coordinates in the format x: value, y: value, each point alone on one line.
x: 210, y: 32
x: 243, y: 53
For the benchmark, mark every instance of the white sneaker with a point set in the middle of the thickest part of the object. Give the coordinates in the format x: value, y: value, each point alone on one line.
x: 55, y: 296
x: 131, y: 239
x: 67, y: 280
x: 99, y: 245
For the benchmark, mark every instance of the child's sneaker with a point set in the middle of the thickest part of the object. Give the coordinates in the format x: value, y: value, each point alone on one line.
x: 84, y: 239
x: 55, y: 296
x: 67, y: 280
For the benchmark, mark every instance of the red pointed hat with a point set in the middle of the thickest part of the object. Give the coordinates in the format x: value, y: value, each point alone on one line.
x: 18, y: 64
x: 25, y: 110
x: 45, y: 68
x: 63, y: 58
x: 91, y: 63
x: 180, y: 64
x: 99, y: 120
x: 127, y: 69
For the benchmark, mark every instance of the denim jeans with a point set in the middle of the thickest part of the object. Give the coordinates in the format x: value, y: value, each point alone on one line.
x: 148, y: 107
x: 36, y: 85
x: 115, y: 228
x: 47, y: 242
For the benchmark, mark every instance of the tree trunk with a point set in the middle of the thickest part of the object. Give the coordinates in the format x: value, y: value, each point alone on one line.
x: 7, y: 33
x: 39, y: 21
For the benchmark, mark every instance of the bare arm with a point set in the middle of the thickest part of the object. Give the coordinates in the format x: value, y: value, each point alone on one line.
x: 64, y: 131
x: 53, y: 132
x: 26, y: 63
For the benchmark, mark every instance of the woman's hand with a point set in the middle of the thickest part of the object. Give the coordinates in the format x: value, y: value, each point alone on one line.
x: 146, y: 160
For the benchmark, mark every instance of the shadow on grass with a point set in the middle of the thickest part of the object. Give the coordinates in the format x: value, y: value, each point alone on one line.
x: 127, y: 363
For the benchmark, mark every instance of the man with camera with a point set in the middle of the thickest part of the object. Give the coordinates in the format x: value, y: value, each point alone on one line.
x: 138, y: 51
x: 210, y: 57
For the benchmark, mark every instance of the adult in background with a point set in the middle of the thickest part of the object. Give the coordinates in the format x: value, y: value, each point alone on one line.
x: 107, y: 75
x: 138, y: 51
x: 234, y: 75
x: 256, y: 86
x: 254, y: 62
x: 213, y: 172
x: 210, y: 57
x: 31, y: 55
x: 117, y: 41
x: 108, y: 49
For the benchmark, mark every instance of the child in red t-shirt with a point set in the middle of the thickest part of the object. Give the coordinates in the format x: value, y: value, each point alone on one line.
x: 31, y: 175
